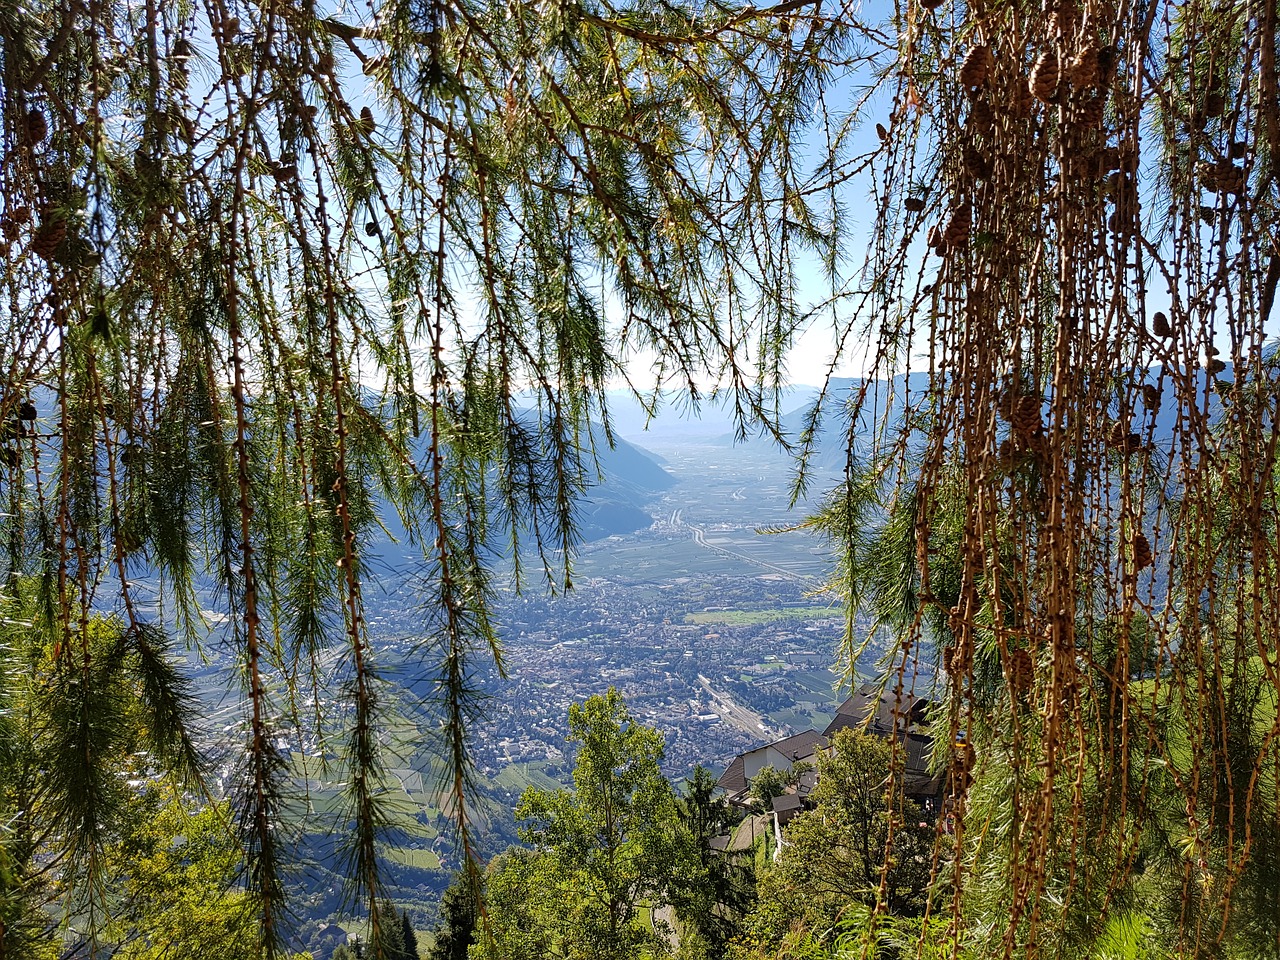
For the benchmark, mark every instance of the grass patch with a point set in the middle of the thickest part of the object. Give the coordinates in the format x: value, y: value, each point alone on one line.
x: 517, y: 776
x: 749, y: 618
x: 411, y: 857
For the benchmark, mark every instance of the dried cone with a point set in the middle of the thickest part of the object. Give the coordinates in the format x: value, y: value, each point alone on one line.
x: 977, y: 65
x: 1160, y: 325
x: 1090, y: 112
x: 1024, y: 415
x: 1021, y: 671
x: 957, y: 231
x: 1215, y: 366
x: 1061, y: 23
x: 1083, y: 70
x: 1123, y: 440
x: 975, y: 163
x: 1023, y: 102
x: 913, y: 204
x: 1142, y: 557
x: 35, y: 126
x: 935, y: 236
x: 981, y: 117
x: 48, y: 238
x: 1045, y: 77
x: 1229, y: 178
x: 931, y: 4
x: 1151, y: 396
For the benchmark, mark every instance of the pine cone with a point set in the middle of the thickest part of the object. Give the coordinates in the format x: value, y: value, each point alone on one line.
x: 1024, y: 415
x: 981, y: 117
x: 1142, y: 557
x: 36, y: 127
x: 1021, y: 671
x: 977, y: 65
x: 975, y: 163
x: 1045, y: 77
x: 1083, y: 70
x: 1151, y: 396
x: 48, y: 238
x: 1090, y: 112
x: 1023, y: 103
x: 913, y: 204
x: 957, y: 231
x: 1160, y: 325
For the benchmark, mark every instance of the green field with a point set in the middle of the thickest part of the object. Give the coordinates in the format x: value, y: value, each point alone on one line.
x: 747, y: 618
x: 412, y: 857
x: 517, y: 776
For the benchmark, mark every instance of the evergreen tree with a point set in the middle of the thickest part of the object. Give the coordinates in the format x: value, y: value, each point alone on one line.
x: 276, y: 279
x: 710, y: 901
x: 408, y: 938
x: 456, y: 930
x: 389, y: 944
x: 266, y: 268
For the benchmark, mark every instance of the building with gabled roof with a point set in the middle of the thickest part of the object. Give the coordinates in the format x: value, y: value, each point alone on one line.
x: 781, y: 755
x: 877, y: 711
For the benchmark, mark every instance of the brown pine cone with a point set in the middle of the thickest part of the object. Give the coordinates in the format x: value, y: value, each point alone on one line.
x: 957, y: 231
x: 35, y: 126
x: 977, y: 66
x: 1142, y: 557
x: 1083, y: 70
x: 48, y: 238
x: 1045, y: 77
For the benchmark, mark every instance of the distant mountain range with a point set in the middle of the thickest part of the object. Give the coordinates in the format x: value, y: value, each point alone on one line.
x: 884, y: 401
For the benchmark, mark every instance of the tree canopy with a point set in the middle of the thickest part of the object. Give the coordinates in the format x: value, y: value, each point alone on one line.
x: 275, y: 279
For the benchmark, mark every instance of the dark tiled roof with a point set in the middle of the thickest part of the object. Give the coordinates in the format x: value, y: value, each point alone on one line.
x: 798, y: 745
x: 873, y: 711
x: 734, y: 778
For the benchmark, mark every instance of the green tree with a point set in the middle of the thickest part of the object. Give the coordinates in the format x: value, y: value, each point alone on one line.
x: 80, y: 718
x: 265, y: 266
x: 767, y: 785
x: 833, y: 856
x: 331, y: 274
x: 408, y: 937
x: 390, y: 944
x: 456, y: 930
x: 606, y: 854
x: 713, y: 899
x: 277, y: 279
x: 175, y: 871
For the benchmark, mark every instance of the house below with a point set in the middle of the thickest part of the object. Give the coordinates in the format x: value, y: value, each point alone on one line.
x: 781, y: 755
x: 881, y: 714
